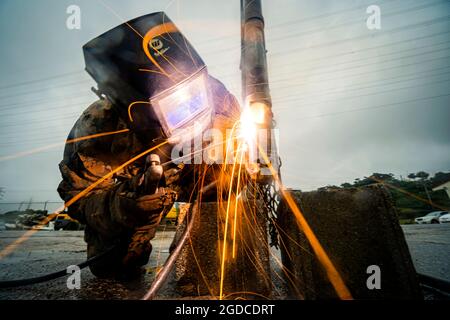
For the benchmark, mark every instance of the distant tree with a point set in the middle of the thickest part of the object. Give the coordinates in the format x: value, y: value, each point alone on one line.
x: 381, y: 176
x: 412, y: 176
x: 2, y: 192
x: 346, y: 185
x: 440, y: 178
x: 422, y: 175
x: 412, y: 197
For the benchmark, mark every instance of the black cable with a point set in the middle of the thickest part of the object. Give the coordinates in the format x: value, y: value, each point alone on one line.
x: 435, y: 283
x: 54, y: 275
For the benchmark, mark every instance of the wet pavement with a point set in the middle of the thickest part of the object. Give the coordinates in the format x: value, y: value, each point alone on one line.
x: 49, y: 251
x: 429, y: 245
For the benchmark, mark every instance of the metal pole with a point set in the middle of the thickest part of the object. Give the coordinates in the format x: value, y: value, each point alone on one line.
x: 428, y: 194
x: 256, y: 92
x: 255, y: 80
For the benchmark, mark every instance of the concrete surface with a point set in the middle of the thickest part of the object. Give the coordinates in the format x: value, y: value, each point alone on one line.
x: 51, y: 251
x: 199, y: 264
x: 358, y: 228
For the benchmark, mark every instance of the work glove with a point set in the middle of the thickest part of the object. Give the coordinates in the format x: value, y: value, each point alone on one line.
x: 142, y: 198
x: 152, y: 198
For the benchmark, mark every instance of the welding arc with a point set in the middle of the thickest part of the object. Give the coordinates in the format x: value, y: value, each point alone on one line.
x: 161, y: 277
x: 54, y: 275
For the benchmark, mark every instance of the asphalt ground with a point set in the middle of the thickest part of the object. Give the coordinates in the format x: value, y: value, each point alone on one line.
x: 49, y: 251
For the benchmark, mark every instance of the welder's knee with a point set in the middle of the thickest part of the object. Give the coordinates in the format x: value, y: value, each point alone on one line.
x: 140, y: 248
x: 110, y: 265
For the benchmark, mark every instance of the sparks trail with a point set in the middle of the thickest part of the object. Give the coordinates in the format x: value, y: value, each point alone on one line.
x: 222, y: 265
x: 332, y: 273
x: 69, y: 141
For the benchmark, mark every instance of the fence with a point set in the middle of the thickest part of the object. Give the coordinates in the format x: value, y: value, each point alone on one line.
x: 24, y: 205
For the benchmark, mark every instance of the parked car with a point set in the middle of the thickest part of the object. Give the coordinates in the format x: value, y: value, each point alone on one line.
x: 445, y: 218
x: 432, y: 217
x: 64, y: 222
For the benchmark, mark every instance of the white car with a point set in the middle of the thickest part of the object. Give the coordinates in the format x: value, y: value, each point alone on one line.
x: 445, y: 218
x: 432, y: 217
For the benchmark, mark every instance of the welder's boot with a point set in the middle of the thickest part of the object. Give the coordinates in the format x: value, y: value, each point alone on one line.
x: 110, y: 265
x: 139, y: 248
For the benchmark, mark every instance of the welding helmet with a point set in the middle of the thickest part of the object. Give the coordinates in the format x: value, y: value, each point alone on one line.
x: 148, y: 68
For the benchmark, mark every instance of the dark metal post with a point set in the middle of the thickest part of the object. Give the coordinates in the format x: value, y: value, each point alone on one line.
x: 255, y: 81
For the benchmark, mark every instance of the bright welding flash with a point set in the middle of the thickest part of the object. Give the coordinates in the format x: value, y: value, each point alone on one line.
x: 253, y: 117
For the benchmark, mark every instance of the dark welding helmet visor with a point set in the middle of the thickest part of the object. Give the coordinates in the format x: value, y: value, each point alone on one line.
x: 148, y: 68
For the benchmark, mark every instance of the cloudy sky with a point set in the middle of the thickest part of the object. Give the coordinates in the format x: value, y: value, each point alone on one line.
x: 348, y: 101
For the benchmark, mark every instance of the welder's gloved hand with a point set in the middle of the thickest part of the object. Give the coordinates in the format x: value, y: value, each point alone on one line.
x: 143, y: 198
x: 151, y: 197
x: 164, y: 197
x: 152, y: 202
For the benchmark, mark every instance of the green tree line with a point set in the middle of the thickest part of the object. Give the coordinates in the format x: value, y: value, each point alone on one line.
x: 406, y: 191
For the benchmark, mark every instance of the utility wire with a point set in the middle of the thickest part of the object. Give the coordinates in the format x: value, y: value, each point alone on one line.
x: 426, y: 23
x: 372, y: 107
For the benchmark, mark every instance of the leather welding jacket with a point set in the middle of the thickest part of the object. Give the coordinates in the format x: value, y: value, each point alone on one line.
x: 110, y: 210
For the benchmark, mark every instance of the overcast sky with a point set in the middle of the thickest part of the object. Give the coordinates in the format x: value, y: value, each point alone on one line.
x: 348, y: 101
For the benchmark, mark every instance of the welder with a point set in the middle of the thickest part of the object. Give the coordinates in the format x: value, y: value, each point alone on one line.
x: 151, y: 81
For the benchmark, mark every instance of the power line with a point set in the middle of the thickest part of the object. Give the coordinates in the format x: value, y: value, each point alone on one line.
x: 40, y: 80
x: 82, y: 82
x: 358, y: 74
x: 65, y: 74
x: 389, y: 14
x: 354, y: 67
x: 353, y: 52
x: 79, y: 104
x: 295, y: 22
x: 36, y: 102
x: 13, y: 95
x: 375, y: 35
x: 337, y: 42
x: 50, y: 140
x: 372, y: 107
x: 22, y: 123
x: 71, y: 116
x: 363, y: 95
x: 396, y: 43
x: 378, y: 83
x: 334, y: 100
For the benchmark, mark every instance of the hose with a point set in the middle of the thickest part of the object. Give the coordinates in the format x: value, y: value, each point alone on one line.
x: 157, y: 283
x: 54, y: 275
x: 434, y: 283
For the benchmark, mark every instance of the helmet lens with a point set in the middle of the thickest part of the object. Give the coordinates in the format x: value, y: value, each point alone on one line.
x: 184, y: 104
